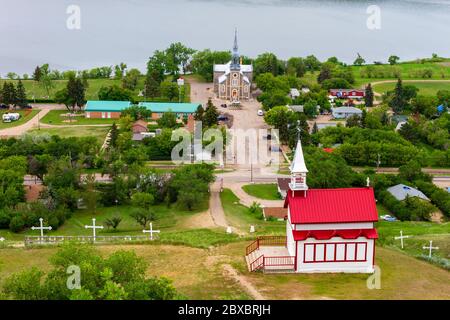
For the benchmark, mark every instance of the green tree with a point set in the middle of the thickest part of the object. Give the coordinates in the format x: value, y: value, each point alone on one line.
x: 169, y: 90
x: 210, y: 115
x: 359, y: 61
x: 398, y: 102
x: 168, y: 120
x: 177, y: 57
x: 393, y: 60
x: 136, y: 113
x: 203, y: 62
x: 267, y: 63
x: 114, y: 93
x: 312, y: 63
x: 151, y: 85
x: 368, y: 98
x: 130, y: 80
x: 37, y: 74
x: 113, y: 222
x: 296, y: 66
x: 198, y: 115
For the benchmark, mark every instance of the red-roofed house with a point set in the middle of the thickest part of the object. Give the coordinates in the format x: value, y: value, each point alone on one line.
x: 327, y: 230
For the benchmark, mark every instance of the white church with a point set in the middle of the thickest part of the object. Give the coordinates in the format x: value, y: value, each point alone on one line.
x: 327, y: 230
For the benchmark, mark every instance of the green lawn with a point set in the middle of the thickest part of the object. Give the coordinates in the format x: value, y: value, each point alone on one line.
x: 22, y: 120
x: 35, y: 90
x: 262, y: 191
x: 98, y: 132
x: 240, y: 216
x: 425, y: 88
x: 57, y: 117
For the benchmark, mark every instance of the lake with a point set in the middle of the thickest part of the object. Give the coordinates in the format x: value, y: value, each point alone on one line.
x: 112, y: 31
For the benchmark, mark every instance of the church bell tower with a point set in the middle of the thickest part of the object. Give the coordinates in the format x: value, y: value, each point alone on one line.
x: 298, y: 172
x: 235, y: 60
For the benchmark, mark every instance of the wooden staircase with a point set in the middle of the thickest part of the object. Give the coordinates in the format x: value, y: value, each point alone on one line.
x: 261, y: 255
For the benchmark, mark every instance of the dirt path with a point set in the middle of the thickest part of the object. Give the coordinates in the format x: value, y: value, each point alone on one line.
x: 393, y: 81
x: 215, y: 206
x: 247, y: 286
x: 29, y: 125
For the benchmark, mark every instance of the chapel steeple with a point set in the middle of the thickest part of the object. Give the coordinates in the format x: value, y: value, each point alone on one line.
x: 298, y: 171
x: 235, y: 61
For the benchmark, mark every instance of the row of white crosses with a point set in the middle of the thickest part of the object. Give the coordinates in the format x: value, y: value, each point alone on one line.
x: 94, y: 228
x: 430, y: 248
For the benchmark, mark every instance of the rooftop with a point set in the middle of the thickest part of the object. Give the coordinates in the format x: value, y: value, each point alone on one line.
x: 174, y: 107
x: 401, y: 191
x: 111, y: 106
x: 344, y: 205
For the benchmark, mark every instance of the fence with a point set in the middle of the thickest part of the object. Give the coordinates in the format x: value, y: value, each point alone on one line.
x: 53, y: 240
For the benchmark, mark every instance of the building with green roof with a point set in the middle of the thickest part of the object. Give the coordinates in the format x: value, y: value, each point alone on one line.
x: 180, y: 109
x: 105, y: 109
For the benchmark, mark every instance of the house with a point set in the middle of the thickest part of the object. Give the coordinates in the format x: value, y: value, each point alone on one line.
x: 233, y: 80
x: 294, y: 93
x: 140, y: 126
x: 327, y: 230
x: 181, y: 110
x: 345, y: 112
x: 283, y: 186
x: 105, y: 109
x: 279, y: 214
x: 347, y: 94
x: 296, y: 108
x: 322, y: 125
x: 401, y: 191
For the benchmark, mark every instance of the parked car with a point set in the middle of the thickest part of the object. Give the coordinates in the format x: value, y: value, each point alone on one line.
x: 28, y: 107
x: 224, y: 105
x: 9, y: 117
x: 388, y: 218
x: 260, y: 112
x: 222, y: 118
x: 4, y: 106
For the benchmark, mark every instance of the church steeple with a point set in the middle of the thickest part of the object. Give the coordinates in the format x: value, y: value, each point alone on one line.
x: 298, y: 171
x: 235, y: 61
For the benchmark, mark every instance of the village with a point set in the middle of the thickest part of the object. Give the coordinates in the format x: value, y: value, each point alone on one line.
x: 298, y: 179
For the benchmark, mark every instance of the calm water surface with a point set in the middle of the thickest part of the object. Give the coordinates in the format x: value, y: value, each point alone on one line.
x: 112, y: 31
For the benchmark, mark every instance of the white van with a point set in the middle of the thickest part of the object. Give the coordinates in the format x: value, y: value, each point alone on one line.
x: 260, y: 113
x: 8, y: 117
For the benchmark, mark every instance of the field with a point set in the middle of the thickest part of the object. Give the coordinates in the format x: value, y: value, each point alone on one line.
x: 262, y: 191
x: 199, y: 274
x: 24, y: 117
x: 98, y: 132
x: 56, y: 117
x: 35, y: 91
x: 425, y: 88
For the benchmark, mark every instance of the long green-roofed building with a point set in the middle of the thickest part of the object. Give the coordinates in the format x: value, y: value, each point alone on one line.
x: 113, y: 109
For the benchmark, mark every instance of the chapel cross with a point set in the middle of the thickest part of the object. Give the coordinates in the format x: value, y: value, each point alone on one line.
x: 430, y: 248
x: 41, y: 227
x: 401, y: 238
x: 94, y: 228
x: 151, y: 231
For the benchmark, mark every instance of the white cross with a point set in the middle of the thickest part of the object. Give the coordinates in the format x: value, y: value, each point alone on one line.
x: 151, y: 231
x: 93, y: 227
x: 401, y: 238
x: 430, y: 248
x: 41, y: 227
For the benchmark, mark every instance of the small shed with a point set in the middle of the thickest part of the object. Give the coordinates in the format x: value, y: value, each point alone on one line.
x: 275, y: 212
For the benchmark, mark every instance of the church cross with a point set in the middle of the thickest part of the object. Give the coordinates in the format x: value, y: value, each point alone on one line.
x: 430, y: 248
x: 41, y: 227
x: 94, y: 228
x: 401, y: 238
x: 151, y: 231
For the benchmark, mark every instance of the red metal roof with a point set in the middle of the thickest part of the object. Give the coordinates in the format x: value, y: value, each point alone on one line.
x: 332, y: 206
x: 328, y: 234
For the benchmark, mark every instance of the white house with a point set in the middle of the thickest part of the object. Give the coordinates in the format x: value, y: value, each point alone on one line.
x: 327, y: 230
x: 345, y: 112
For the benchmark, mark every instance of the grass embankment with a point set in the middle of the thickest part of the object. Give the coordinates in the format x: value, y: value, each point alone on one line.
x: 98, y: 132
x: 25, y: 116
x: 263, y: 191
x: 239, y: 216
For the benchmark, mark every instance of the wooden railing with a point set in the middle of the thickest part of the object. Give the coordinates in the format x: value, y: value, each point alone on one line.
x: 279, y: 261
x: 257, y: 264
x: 266, y: 241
